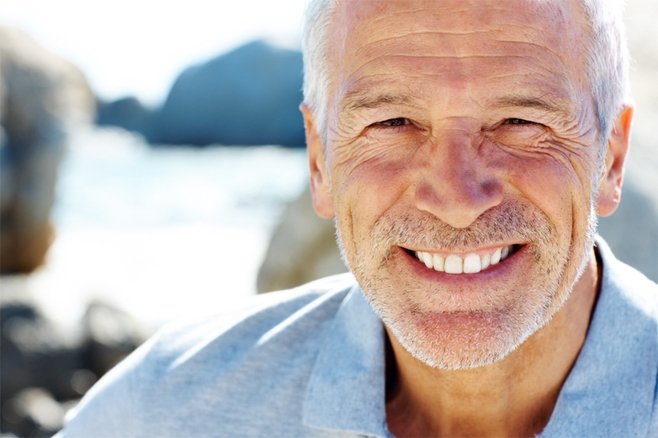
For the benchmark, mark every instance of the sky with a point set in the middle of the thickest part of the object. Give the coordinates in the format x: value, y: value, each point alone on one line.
x: 138, y: 47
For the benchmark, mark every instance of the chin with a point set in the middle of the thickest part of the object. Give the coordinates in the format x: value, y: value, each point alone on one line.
x: 460, y: 341
x: 485, y: 328
x: 465, y: 329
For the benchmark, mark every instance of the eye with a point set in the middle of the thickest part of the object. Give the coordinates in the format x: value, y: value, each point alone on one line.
x: 515, y: 121
x: 400, y: 121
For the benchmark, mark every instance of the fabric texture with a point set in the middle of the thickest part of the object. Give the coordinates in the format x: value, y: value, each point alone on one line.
x: 309, y: 362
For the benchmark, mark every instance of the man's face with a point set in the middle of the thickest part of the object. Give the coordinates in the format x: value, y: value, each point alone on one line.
x: 457, y: 132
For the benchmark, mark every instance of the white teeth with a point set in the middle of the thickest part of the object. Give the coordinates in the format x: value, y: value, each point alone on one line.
x: 486, y: 261
x: 439, y: 262
x: 428, y: 259
x: 495, y: 257
x: 471, y: 264
x: 454, y: 264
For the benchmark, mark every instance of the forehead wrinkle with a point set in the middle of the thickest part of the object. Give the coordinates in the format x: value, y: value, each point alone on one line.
x: 436, y: 8
x: 454, y: 56
x: 495, y: 28
x: 434, y: 19
x: 443, y: 26
x: 447, y: 48
x: 410, y: 48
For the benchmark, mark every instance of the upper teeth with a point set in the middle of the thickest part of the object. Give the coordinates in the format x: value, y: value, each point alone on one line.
x: 470, y: 264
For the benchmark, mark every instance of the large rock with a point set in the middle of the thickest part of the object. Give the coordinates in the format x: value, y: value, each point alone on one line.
x: 36, y: 367
x: 127, y: 113
x: 302, y: 248
x: 44, y: 370
x: 249, y: 96
x: 42, y: 97
x: 632, y: 231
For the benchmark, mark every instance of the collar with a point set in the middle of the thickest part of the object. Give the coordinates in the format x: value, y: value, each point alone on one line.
x: 346, y: 390
x: 610, y: 390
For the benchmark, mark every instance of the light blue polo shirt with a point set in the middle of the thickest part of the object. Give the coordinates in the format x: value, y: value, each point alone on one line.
x: 309, y: 362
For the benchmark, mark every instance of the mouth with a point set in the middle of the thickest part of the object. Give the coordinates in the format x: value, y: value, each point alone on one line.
x: 470, y: 263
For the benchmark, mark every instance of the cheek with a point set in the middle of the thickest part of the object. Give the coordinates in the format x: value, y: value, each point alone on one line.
x: 537, y: 156
x: 364, y: 189
x: 373, y: 170
x: 371, y: 147
x: 551, y: 179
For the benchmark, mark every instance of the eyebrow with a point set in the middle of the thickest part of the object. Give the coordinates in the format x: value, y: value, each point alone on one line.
x: 365, y: 100
x: 358, y: 100
x: 556, y: 106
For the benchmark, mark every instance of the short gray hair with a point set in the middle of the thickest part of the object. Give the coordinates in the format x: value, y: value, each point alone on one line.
x: 315, y: 47
x: 607, y: 59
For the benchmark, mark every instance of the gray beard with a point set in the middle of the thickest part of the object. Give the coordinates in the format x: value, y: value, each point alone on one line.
x: 480, y: 338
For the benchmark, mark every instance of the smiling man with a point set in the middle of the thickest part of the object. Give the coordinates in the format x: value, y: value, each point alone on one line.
x: 465, y: 150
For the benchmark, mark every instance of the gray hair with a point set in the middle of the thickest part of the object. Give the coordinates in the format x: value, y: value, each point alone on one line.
x: 315, y: 45
x: 607, y: 60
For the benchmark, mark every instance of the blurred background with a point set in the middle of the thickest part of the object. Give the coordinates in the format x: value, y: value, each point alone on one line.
x: 153, y: 167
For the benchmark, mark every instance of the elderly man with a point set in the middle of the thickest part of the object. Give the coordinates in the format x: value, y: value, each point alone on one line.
x: 465, y: 150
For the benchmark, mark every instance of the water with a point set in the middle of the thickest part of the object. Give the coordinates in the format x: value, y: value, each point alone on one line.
x: 162, y: 233
x: 111, y: 179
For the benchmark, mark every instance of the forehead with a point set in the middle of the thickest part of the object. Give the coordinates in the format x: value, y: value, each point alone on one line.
x: 448, y: 14
x: 457, y: 41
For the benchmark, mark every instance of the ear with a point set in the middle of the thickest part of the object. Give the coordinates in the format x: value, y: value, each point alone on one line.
x: 320, y: 184
x: 612, y: 179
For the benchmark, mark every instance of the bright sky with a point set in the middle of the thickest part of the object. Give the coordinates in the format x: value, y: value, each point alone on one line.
x: 138, y: 47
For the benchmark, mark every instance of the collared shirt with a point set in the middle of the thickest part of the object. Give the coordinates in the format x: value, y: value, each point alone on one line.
x: 310, y: 362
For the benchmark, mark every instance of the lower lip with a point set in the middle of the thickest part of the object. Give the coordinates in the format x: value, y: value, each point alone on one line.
x: 503, y: 268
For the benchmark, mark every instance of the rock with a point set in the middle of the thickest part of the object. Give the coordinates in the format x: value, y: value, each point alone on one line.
x: 42, y: 97
x: 632, y: 231
x: 112, y: 335
x: 249, y: 96
x: 33, y: 412
x: 43, y: 371
x: 636, y: 219
x: 127, y: 113
x: 302, y: 248
x: 36, y: 368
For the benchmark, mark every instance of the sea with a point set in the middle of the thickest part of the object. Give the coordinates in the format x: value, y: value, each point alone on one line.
x: 164, y: 232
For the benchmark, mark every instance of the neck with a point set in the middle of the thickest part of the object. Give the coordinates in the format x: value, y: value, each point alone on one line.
x: 512, y: 397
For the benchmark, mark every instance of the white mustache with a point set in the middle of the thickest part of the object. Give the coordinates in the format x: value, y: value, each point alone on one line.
x: 507, y: 222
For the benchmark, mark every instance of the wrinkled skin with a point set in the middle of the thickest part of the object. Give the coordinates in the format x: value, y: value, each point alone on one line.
x: 455, y: 129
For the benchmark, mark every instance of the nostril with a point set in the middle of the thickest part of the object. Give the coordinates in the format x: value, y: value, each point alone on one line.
x: 492, y: 188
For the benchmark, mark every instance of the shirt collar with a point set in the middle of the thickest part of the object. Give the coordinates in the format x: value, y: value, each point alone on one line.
x: 610, y: 390
x: 346, y: 390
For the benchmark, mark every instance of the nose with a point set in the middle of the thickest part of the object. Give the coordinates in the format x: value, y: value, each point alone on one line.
x: 455, y: 185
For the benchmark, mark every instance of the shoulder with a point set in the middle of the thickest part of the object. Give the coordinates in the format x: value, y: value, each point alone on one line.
x: 203, y: 373
x: 310, y: 305
x: 630, y: 312
x: 632, y: 286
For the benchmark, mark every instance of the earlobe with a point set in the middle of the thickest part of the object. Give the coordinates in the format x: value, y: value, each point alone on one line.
x: 612, y: 179
x: 320, y: 184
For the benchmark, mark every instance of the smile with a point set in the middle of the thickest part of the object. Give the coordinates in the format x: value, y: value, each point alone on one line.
x: 469, y: 264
